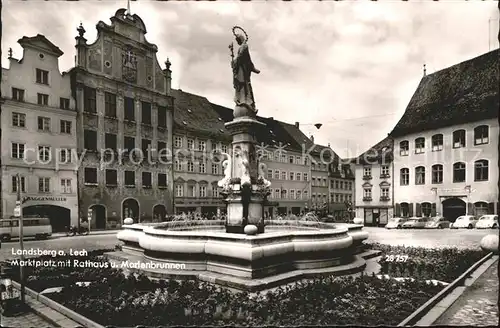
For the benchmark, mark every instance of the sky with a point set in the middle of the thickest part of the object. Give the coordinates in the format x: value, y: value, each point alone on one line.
x: 352, y: 66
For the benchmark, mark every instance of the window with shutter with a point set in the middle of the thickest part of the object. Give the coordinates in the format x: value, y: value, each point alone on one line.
x: 410, y: 209
x: 470, y: 209
x: 398, y: 210
x: 491, y: 208
x: 419, y: 210
x: 433, y: 209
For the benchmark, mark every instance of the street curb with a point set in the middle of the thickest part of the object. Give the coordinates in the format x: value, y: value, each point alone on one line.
x: 92, y: 233
x: 440, y: 308
x: 33, y: 294
x: 430, y: 304
x: 85, y: 322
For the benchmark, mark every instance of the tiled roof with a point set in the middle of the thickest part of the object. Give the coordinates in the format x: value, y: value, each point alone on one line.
x: 195, y: 114
x: 272, y: 134
x: 302, y: 139
x: 462, y: 93
x: 381, y: 152
x: 346, y: 170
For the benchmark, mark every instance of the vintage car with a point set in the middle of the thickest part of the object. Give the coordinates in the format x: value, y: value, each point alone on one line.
x: 395, y: 223
x: 489, y: 221
x: 438, y: 222
x: 464, y: 221
x: 415, y: 223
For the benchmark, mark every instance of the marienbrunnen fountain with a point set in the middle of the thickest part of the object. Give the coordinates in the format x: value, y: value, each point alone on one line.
x: 245, y: 251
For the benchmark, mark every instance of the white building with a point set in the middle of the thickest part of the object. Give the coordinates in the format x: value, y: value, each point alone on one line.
x: 373, y: 184
x: 446, y: 143
x: 38, y: 135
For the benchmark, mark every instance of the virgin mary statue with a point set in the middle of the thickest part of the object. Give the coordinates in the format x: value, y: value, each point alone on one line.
x: 243, y: 67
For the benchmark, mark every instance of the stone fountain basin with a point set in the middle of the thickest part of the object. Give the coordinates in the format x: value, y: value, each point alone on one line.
x: 282, y: 248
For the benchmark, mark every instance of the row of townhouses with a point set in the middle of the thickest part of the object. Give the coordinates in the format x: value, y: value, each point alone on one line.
x: 442, y: 157
x: 110, y: 139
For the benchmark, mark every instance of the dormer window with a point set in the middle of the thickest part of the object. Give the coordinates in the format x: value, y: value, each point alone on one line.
x: 437, y: 142
x: 459, y: 139
x: 481, y: 135
x: 419, y: 145
x: 404, y: 148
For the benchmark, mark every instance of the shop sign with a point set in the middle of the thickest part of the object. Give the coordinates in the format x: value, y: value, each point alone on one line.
x: 43, y: 199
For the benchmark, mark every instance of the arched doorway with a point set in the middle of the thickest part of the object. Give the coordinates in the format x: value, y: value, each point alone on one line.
x: 130, y: 209
x: 159, y: 213
x: 60, y: 217
x: 98, y: 216
x: 453, y: 208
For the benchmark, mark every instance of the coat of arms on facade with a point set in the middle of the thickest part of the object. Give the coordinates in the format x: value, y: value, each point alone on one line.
x: 129, y: 67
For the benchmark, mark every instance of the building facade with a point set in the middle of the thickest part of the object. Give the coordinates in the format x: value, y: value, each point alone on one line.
x: 341, y: 179
x: 319, y: 185
x: 289, y: 174
x: 374, y: 192
x: 125, y: 120
x: 446, y: 143
x: 199, y: 131
x: 199, y: 138
x: 38, y: 126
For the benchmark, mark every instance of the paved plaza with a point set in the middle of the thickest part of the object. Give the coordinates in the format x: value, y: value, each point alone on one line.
x: 478, y: 305
x: 25, y: 320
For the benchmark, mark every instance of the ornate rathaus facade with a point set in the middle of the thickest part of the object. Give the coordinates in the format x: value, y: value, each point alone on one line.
x: 124, y: 115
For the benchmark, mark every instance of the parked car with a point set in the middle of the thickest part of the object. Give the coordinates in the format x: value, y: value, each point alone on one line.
x: 438, y: 222
x: 395, y: 223
x: 415, y: 223
x: 489, y: 221
x: 464, y: 221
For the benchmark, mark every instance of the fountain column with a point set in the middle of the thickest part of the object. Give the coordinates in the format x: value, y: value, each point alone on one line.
x: 246, y: 194
x: 244, y: 184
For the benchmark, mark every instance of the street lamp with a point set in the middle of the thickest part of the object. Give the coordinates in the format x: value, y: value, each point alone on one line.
x: 19, y: 214
x: 434, y: 191
x: 468, y: 191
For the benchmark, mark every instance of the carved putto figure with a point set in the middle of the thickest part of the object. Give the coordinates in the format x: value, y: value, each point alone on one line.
x: 226, y: 164
x: 262, y: 175
x: 245, y: 176
x: 243, y: 67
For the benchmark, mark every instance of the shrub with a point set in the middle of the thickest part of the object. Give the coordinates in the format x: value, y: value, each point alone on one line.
x: 327, y: 301
x: 444, y: 264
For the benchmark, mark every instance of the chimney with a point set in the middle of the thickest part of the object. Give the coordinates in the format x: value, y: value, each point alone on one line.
x: 297, y: 125
x: 312, y: 138
x: 271, y: 118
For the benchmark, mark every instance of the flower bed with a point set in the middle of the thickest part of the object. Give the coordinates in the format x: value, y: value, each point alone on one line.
x: 115, y: 299
x: 445, y: 264
x: 132, y: 301
x: 44, y: 276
